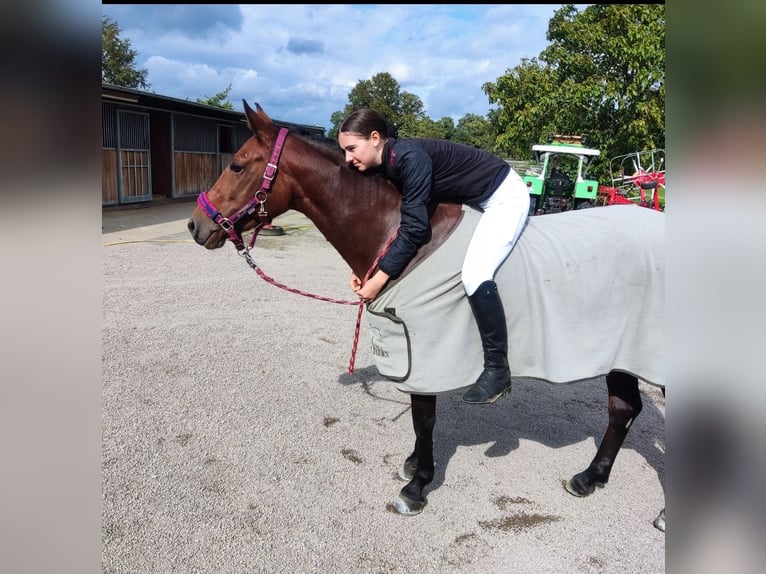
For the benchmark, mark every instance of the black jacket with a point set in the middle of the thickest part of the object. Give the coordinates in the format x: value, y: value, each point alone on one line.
x: 427, y: 171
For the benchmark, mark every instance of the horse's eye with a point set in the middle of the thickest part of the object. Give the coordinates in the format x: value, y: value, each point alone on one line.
x: 235, y: 168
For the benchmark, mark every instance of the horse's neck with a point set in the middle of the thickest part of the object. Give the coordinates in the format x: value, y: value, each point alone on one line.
x: 355, y: 213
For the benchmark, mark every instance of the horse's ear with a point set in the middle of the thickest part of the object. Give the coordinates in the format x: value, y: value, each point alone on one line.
x: 256, y: 119
x: 262, y: 114
x: 251, y: 117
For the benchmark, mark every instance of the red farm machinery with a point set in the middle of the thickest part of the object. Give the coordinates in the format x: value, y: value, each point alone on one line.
x: 637, y: 178
x: 559, y: 180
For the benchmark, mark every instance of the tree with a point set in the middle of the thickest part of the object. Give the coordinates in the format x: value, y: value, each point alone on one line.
x: 476, y: 131
x: 425, y: 127
x: 527, y: 107
x: 219, y: 100
x: 404, y: 109
x: 383, y: 93
x: 118, y: 59
x: 602, y: 74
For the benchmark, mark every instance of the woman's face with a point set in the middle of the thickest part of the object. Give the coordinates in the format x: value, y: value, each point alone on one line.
x: 361, y: 153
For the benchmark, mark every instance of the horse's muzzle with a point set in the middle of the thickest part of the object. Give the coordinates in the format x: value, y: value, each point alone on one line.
x: 205, y: 233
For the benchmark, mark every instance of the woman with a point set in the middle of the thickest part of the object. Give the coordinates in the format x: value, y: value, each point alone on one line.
x: 426, y: 170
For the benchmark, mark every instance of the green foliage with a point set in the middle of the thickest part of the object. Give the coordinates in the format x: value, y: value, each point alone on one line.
x: 404, y: 109
x: 427, y: 128
x: 382, y: 93
x: 603, y: 74
x: 219, y: 100
x: 527, y: 107
x: 476, y: 131
x: 118, y: 58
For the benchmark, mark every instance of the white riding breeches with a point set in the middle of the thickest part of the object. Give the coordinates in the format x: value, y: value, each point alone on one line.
x: 505, y: 214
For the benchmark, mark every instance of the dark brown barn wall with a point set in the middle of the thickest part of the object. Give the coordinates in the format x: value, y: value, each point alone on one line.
x: 195, y: 172
x: 161, y: 155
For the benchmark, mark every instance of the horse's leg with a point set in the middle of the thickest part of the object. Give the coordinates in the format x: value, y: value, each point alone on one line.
x: 410, y: 465
x: 624, y: 406
x: 419, y: 466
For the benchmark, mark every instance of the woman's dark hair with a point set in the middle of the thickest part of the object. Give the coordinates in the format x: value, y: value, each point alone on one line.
x: 364, y: 121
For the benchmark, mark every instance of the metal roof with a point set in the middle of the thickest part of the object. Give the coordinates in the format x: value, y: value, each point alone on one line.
x: 119, y: 94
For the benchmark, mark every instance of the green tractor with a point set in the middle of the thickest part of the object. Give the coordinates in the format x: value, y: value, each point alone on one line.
x: 559, y: 181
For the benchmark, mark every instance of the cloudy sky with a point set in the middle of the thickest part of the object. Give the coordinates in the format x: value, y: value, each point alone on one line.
x: 300, y: 62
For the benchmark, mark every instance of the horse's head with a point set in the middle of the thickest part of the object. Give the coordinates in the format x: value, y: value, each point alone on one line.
x: 244, y: 194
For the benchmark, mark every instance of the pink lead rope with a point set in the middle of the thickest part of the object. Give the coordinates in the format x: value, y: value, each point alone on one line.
x: 352, y: 361
x: 258, y: 201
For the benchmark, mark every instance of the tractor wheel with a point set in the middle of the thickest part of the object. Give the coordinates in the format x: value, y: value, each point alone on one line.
x: 584, y: 204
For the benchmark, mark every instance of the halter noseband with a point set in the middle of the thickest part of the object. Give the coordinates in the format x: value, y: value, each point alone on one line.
x: 258, y: 201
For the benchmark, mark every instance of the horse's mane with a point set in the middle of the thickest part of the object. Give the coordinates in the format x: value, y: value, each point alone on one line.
x: 325, y: 146
x: 330, y: 150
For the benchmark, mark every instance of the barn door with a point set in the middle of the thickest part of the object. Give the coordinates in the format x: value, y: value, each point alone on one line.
x: 135, y: 182
x: 225, y: 146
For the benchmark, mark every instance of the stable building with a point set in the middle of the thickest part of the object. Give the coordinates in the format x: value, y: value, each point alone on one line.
x: 160, y: 147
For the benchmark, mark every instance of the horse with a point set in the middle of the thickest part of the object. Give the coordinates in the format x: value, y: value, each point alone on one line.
x: 275, y: 171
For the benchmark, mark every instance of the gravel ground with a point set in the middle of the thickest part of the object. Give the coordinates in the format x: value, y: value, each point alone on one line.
x: 234, y: 439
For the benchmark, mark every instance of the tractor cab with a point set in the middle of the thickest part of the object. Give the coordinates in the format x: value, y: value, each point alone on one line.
x: 559, y: 180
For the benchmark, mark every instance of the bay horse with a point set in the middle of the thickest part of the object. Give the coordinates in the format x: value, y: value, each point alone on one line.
x: 358, y: 214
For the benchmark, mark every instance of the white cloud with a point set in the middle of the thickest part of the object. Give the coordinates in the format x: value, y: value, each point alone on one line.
x: 300, y: 62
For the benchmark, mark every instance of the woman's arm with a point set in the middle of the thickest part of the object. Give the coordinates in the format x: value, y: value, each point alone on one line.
x: 415, y: 174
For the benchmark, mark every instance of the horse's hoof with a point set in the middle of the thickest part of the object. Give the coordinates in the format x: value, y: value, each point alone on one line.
x: 407, y: 471
x: 407, y: 507
x: 575, y: 488
x: 659, y: 522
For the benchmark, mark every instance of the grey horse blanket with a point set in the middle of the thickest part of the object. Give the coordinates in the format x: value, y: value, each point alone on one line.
x: 583, y: 290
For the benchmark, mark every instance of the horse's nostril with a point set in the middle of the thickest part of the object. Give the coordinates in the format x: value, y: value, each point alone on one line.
x: 190, y: 225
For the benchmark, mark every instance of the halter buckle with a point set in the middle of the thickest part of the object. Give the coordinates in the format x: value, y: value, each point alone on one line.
x: 271, y: 171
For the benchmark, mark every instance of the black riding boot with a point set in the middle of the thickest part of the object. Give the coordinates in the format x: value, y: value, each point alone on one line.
x: 495, y: 380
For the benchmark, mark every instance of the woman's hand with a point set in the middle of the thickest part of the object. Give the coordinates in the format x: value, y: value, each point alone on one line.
x: 369, y: 290
x: 355, y: 283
